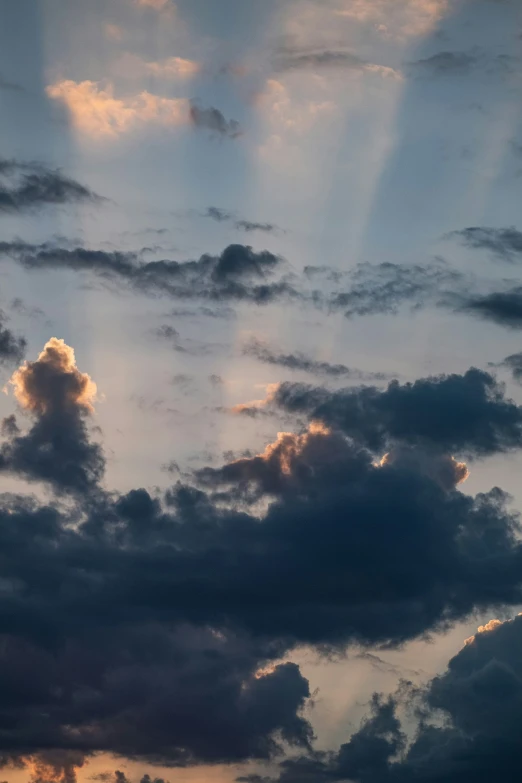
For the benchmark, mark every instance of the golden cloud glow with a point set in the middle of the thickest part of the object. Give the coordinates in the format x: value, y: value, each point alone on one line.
x: 35, y: 383
x: 96, y: 112
x: 442, y: 468
x: 242, y: 407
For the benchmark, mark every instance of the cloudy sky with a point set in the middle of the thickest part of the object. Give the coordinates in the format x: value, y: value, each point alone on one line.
x: 261, y: 430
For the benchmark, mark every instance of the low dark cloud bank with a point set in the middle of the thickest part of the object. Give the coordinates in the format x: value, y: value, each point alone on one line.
x: 158, y: 627
x: 27, y: 186
x: 469, y: 730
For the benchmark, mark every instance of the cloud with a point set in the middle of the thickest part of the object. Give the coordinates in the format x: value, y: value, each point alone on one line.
x: 12, y: 347
x: 238, y: 274
x: 407, y: 18
x: 467, y: 414
x: 173, y: 68
x: 5, y: 84
x: 95, y: 111
x: 300, y: 362
x: 504, y: 243
x: 56, y: 449
x: 213, y: 120
x: 25, y: 186
x: 158, y: 627
x: 298, y: 59
x: 446, y: 63
x: 383, y: 288
x: 501, y: 307
x: 223, y: 216
x: 470, y: 719
x: 513, y: 363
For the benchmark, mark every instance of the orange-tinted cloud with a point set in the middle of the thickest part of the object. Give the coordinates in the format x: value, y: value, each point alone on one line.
x: 95, y: 110
x: 404, y: 18
x: 53, y: 381
x: 173, y: 68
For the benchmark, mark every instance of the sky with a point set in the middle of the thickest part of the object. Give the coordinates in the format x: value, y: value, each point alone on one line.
x: 261, y: 429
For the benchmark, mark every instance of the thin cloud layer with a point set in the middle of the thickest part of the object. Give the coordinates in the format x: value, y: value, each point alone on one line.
x: 26, y: 186
x: 504, y: 243
x: 223, y: 216
x: 301, y: 362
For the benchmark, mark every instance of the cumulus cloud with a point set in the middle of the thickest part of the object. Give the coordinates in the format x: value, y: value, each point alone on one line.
x: 25, y: 186
x: 301, y: 362
x: 56, y: 449
x: 469, y: 728
x: 95, y: 110
x: 213, y: 120
x: 158, y: 627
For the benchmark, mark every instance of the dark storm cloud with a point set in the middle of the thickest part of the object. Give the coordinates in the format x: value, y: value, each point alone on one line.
x: 238, y: 274
x: 468, y: 414
x: 505, y: 243
x: 152, y: 628
x: 57, y: 448
x: 383, y: 288
x: 302, y: 362
x: 213, y: 120
x: 469, y: 729
x: 501, y: 307
x: 223, y: 216
x: 24, y: 186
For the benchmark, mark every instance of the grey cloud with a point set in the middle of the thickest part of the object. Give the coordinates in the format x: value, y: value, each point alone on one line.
x: 12, y: 347
x: 223, y: 216
x: 25, y: 186
x: 446, y: 63
x: 238, y: 274
x: 514, y: 364
x: 505, y: 243
x: 302, y: 362
x: 292, y: 59
x: 465, y: 414
x: 213, y: 120
x: 501, y: 307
